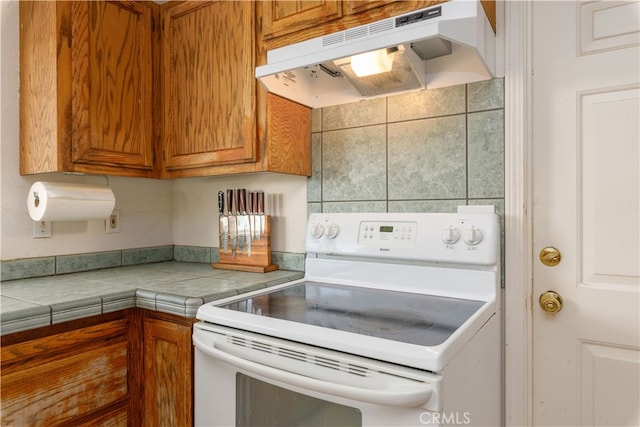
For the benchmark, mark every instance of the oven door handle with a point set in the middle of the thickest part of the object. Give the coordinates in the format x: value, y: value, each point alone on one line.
x: 407, y: 396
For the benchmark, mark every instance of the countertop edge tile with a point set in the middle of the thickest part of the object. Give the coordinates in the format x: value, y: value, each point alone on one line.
x: 25, y: 319
x: 146, y: 299
x: 169, y: 308
x: 22, y: 324
x: 76, y: 309
x: 118, y: 301
x: 192, y: 306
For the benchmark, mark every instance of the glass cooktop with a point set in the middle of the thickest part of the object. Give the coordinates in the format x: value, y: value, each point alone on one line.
x: 424, y: 320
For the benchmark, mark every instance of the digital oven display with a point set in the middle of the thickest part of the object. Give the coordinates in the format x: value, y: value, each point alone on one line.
x: 386, y: 229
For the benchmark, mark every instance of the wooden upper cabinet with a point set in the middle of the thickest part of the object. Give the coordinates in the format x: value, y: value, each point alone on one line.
x: 86, y: 88
x: 351, y: 7
x: 137, y: 89
x: 209, y: 90
x: 281, y: 17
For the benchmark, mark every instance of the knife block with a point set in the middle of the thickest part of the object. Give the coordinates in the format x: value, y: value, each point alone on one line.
x: 258, y: 262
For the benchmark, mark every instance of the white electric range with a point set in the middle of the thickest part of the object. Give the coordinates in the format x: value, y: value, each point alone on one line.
x: 396, y: 322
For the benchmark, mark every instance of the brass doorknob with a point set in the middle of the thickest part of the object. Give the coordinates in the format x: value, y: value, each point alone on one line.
x: 551, y: 302
x: 550, y: 256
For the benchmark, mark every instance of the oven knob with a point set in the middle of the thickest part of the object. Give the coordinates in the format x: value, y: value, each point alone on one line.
x: 317, y: 231
x: 332, y: 231
x: 472, y: 236
x: 450, y: 235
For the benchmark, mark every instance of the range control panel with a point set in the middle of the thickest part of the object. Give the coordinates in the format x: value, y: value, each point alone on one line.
x: 472, y: 238
x: 388, y: 233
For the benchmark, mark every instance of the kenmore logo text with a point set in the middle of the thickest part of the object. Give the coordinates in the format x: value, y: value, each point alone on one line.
x: 384, y: 249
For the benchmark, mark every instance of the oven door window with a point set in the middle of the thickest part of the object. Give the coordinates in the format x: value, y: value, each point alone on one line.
x: 262, y: 404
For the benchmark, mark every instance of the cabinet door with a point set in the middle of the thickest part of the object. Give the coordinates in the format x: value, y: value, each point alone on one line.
x: 168, y: 377
x: 209, y: 84
x: 285, y: 16
x: 73, y: 376
x: 289, y: 135
x: 111, y: 84
x: 351, y: 7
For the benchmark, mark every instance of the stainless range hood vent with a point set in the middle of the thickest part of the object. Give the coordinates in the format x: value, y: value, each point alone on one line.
x: 446, y: 45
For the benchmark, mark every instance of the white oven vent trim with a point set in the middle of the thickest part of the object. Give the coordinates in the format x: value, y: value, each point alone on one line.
x: 373, y: 376
x: 300, y: 356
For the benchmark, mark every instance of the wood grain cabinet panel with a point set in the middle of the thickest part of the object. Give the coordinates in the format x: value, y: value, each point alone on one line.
x: 168, y: 371
x: 86, y: 88
x: 76, y: 374
x: 208, y: 82
x: 289, y: 137
x: 281, y: 17
x: 64, y: 389
x: 352, y: 7
x: 217, y: 120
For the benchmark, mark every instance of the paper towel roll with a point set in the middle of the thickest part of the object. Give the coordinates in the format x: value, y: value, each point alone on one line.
x: 53, y: 201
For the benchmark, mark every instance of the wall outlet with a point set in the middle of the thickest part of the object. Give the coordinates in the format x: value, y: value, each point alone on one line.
x: 112, y: 224
x: 41, y: 229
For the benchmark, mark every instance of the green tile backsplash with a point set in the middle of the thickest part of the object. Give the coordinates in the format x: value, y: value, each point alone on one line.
x: 63, y: 264
x: 426, y: 151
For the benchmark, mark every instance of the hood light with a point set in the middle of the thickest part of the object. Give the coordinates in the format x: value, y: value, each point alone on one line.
x: 371, y: 63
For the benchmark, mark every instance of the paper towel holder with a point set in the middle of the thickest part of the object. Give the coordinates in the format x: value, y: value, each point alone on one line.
x: 51, y: 201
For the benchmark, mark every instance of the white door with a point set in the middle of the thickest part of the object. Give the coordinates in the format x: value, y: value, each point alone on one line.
x: 586, y: 203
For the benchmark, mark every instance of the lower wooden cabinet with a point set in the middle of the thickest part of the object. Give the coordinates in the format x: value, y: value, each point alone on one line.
x: 168, y: 370
x: 129, y: 368
x: 76, y: 373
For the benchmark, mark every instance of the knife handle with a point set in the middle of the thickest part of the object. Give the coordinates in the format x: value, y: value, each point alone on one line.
x: 254, y: 202
x: 221, y: 202
x: 230, y: 201
x: 260, y: 200
x: 242, y: 200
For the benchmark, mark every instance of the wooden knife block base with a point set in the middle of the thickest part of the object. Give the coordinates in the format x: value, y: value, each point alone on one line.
x: 258, y: 262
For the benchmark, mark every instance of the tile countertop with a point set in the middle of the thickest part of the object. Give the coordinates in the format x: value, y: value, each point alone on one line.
x: 171, y: 287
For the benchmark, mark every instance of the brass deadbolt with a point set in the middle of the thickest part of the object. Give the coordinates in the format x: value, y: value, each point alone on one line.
x: 550, y: 256
x: 551, y: 302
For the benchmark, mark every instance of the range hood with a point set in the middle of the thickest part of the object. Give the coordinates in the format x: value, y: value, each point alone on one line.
x: 444, y: 45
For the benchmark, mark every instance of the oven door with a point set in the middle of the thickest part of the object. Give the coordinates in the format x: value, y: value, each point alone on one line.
x: 247, y: 379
